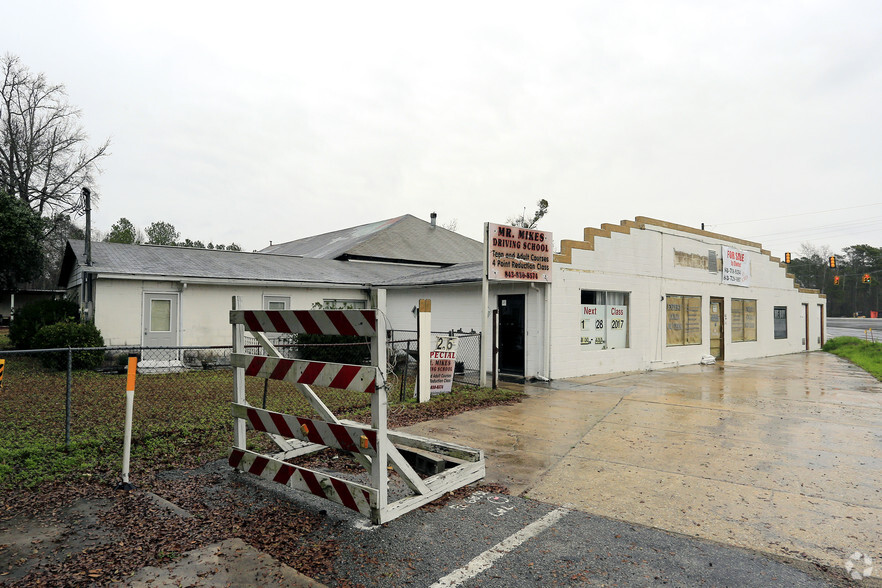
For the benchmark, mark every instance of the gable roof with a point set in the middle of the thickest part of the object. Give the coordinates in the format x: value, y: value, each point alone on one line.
x: 177, y: 263
x: 460, y: 273
x: 404, y: 239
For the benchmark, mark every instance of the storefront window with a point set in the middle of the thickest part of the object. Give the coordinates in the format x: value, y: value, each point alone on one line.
x: 743, y: 320
x: 604, y: 319
x: 780, y: 322
x: 683, y: 319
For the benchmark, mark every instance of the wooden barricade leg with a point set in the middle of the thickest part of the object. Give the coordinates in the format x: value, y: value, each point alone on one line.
x: 238, y: 379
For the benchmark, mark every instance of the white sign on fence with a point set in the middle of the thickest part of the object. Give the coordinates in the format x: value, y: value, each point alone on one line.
x: 442, y: 364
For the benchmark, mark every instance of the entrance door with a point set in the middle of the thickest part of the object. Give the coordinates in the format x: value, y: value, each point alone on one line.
x: 511, y: 334
x: 160, y: 320
x: 805, y: 311
x: 821, y: 317
x: 716, y: 328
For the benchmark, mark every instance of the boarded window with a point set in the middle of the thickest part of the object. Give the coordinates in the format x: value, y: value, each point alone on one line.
x: 743, y: 320
x: 683, y: 319
x: 780, y: 322
x: 693, y: 319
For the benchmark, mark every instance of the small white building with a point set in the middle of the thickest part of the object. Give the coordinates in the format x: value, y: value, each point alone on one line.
x: 638, y: 295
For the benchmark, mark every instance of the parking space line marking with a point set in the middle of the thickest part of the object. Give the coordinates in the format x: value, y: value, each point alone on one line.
x: 486, y: 559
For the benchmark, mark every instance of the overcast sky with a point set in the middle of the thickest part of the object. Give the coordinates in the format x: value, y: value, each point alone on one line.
x: 260, y: 121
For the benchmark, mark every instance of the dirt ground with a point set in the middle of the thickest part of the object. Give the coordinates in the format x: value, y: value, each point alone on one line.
x: 215, y: 527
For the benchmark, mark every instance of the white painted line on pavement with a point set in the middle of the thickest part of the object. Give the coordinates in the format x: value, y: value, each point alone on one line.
x: 486, y: 559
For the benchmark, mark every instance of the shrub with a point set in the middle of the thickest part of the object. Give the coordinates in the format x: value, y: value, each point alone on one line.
x: 69, y: 334
x: 35, y: 316
x: 334, y: 348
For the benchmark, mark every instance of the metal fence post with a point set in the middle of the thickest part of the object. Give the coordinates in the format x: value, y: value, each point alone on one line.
x: 403, y: 394
x: 67, y: 400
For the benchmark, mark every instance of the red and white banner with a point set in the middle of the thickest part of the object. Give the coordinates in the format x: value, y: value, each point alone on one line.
x: 350, y: 494
x: 358, y: 378
x: 311, y: 322
x: 347, y: 438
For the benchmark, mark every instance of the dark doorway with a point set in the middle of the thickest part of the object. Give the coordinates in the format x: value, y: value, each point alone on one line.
x: 511, y: 334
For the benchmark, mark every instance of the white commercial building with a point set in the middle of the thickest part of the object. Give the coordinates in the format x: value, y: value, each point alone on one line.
x: 638, y: 295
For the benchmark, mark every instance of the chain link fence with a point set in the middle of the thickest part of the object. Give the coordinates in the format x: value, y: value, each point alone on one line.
x: 183, y: 394
x: 403, y: 360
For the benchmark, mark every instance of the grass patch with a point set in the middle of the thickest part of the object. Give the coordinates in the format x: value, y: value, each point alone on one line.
x: 180, y: 419
x: 864, y: 354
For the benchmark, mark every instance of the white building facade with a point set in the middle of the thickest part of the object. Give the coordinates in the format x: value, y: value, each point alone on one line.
x: 640, y: 295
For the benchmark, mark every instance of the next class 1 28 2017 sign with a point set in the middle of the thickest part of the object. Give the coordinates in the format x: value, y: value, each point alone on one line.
x: 518, y: 254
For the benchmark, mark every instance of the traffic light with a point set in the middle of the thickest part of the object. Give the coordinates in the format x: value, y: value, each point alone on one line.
x: 866, y: 279
x: 835, y: 280
x: 832, y: 261
x: 787, y: 257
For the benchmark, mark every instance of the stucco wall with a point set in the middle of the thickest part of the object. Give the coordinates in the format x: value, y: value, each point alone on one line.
x: 203, y: 309
x: 652, y: 263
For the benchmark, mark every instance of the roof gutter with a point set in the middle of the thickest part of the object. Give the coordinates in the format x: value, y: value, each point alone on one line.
x: 229, y: 281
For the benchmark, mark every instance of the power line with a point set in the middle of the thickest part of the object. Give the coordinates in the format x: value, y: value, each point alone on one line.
x: 824, y: 228
x: 792, y: 215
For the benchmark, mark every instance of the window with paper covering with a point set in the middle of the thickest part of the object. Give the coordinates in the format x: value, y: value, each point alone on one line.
x: 743, y: 320
x: 683, y: 319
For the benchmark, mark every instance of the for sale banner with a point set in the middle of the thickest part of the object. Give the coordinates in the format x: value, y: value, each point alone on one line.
x: 736, y: 267
x: 442, y: 364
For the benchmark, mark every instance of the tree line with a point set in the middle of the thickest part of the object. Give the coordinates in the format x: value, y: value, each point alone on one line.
x: 158, y: 233
x: 852, y: 287
x: 45, y: 162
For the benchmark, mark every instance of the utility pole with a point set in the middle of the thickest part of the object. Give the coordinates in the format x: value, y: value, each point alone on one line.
x: 87, y: 196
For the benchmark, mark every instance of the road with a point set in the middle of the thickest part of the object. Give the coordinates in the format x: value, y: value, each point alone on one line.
x: 853, y: 327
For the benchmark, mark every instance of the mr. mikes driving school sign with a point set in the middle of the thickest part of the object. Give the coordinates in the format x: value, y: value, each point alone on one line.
x: 518, y: 254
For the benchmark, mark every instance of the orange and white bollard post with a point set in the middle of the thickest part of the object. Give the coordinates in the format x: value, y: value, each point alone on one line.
x: 127, y: 441
x: 2, y: 366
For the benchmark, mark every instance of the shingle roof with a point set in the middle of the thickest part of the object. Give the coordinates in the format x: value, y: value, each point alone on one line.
x: 403, y: 239
x: 454, y: 274
x: 187, y: 262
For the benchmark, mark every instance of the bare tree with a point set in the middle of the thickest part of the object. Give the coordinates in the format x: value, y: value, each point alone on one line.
x: 44, y: 155
x: 530, y: 222
x: 451, y: 225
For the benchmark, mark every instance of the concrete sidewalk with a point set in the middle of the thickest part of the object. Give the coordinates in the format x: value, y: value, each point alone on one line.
x: 782, y: 455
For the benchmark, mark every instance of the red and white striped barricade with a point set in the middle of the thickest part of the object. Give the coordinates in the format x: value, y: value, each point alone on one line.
x: 374, y: 446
